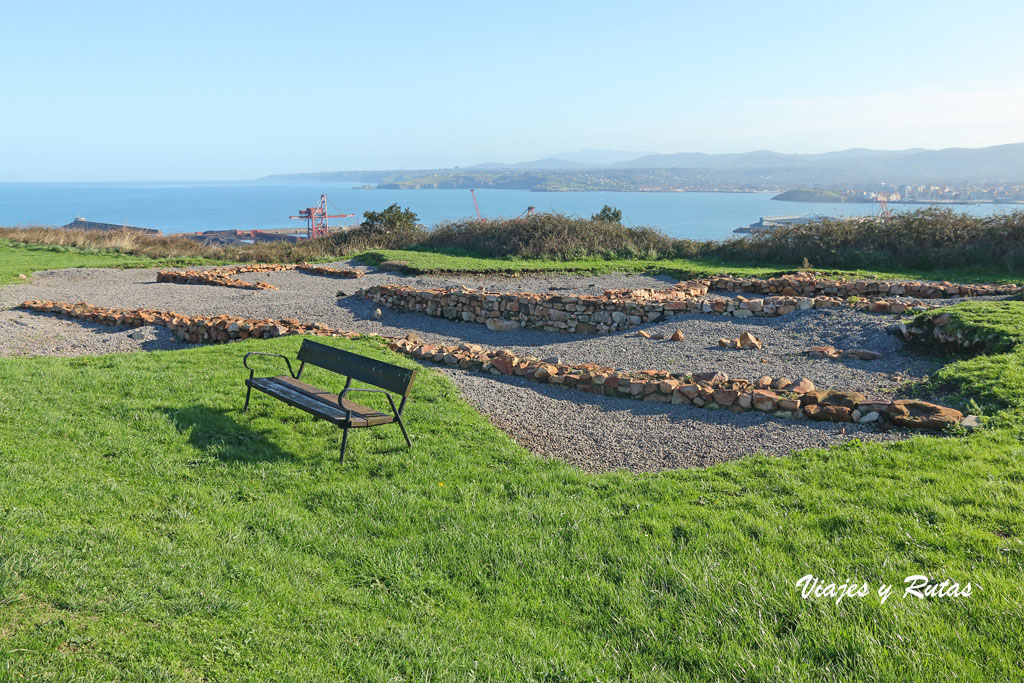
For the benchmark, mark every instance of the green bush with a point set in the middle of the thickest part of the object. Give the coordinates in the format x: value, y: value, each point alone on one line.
x: 551, y: 235
x: 928, y: 238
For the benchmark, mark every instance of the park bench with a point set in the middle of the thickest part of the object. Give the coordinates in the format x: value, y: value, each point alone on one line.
x: 336, y: 407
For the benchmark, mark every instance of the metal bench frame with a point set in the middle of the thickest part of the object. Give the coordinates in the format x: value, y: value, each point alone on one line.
x: 351, y: 366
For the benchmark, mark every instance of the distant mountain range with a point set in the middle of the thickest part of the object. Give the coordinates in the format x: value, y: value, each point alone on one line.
x: 584, y: 158
x: 1001, y: 162
x: 608, y: 169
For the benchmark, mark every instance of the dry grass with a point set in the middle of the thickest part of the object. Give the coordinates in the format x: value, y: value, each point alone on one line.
x: 177, y: 246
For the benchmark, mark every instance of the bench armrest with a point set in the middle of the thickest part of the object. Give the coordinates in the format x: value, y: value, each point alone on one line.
x: 396, y: 410
x: 245, y: 362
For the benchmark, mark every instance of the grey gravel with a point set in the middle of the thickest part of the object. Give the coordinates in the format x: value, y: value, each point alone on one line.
x: 597, y: 433
x: 312, y: 299
x: 33, y: 334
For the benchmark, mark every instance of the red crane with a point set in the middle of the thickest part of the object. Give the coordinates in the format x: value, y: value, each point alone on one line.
x: 477, y: 207
x: 316, y: 218
x: 884, y: 213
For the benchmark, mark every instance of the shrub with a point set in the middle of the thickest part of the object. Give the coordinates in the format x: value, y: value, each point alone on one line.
x: 609, y: 214
x: 924, y: 239
x: 551, y: 235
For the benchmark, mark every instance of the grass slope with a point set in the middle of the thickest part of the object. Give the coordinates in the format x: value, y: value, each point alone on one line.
x: 422, y: 261
x: 21, y: 258
x: 995, y: 379
x: 148, y: 530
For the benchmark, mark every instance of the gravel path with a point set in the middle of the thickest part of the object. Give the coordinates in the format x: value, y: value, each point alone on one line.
x: 595, y: 432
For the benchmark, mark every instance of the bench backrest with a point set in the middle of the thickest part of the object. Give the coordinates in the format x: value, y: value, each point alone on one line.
x: 393, y: 378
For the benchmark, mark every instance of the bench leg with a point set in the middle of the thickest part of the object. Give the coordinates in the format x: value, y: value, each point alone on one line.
x: 344, y: 443
x: 248, y: 392
x: 404, y: 433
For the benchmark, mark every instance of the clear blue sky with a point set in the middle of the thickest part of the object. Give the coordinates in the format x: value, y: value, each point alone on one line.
x: 225, y: 90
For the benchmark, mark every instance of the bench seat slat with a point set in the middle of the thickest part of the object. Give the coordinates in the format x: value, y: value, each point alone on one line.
x: 318, y: 402
x: 370, y: 415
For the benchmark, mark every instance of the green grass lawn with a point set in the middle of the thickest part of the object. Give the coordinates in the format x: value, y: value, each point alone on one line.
x: 439, y: 262
x: 20, y: 258
x: 17, y: 257
x: 150, y: 531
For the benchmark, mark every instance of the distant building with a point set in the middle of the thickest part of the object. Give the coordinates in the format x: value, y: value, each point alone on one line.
x: 768, y: 223
x: 81, y: 224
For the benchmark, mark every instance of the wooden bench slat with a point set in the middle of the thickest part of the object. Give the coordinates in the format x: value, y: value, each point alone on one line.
x: 315, y: 404
x: 370, y: 415
x: 394, y: 378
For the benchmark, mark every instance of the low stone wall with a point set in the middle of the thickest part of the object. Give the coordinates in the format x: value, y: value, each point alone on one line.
x: 613, y: 311
x: 209, y: 277
x: 780, y: 397
x: 329, y: 272
x: 808, y: 284
x: 222, y: 276
x: 194, y: 329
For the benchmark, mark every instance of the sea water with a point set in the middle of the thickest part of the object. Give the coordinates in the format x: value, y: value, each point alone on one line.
x: 190, y: 207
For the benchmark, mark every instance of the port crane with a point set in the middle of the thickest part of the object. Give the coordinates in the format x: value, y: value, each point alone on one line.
x: 530, y: 210
x: 884, y: 212
x: 476, y: 207
x: 316, y: 218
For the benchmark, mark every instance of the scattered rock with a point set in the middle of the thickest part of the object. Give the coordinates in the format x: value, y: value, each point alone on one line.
x: 874, y: 406
x: 822, y: 397
x: 860, y: 354
x: 744, y: 341
x: 22, y: 276
x: 135, y: 334
x: 378, y: 314
x: 725, y: 397
x: 677, y: 336
x: 749, y: 341
x: 921, y: 414
x: 971, y: 422
x: 801, y: 386
x: 829, y: 413
x: 501, y: 324
x: 765, y: 400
